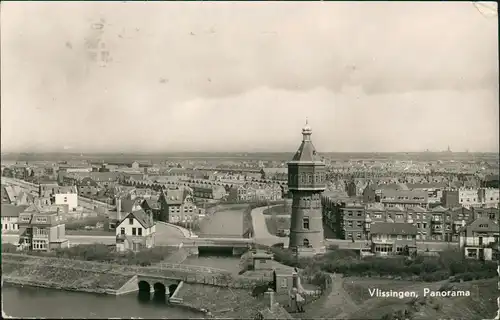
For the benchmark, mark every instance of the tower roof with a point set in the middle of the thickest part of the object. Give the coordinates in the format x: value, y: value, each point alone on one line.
x: 306, y: 151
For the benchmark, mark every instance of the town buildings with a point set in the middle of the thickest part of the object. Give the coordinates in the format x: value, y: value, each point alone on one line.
x: 10, y: 216
x: 468, y: 198
x: 42, y: 229
x: 254, y: 192
x: 135, y: 232
x: 306, y: 182
x: 479, y: 239
x: 277, y: 174
x: 352, y: 220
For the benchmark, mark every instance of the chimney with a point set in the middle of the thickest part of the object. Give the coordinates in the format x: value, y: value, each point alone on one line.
x: 119, y: 208
x: 270, y: 294
x: 295, y: 280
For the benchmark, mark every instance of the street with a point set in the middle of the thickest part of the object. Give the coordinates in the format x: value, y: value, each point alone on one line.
x: 261, y: 234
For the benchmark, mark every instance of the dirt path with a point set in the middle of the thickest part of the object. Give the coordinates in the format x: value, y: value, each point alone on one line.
x: 337, y: 305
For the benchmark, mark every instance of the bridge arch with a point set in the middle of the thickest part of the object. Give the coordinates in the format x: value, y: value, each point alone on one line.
x: 159, y: 289
x: 144, y: 286
x: 171, y: 289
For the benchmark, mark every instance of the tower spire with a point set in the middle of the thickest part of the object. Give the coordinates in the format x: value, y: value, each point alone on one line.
x: 306, y: 131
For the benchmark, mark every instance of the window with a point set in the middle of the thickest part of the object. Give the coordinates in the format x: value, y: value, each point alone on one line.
x: 471, y: 253
x: 306, y: 243
x: 400, y: 237
x: 122, y: 231
x: 139, y: 231
x: 306, y: 223
x: 284, y: 283
x: 133, y: 231
x: 418, y: 225
x: 65, y: 199
x: 349, y: 235
x: 358, y: 235
x: 130, y: 220
x: 408, y: 237
x: 41, y: 219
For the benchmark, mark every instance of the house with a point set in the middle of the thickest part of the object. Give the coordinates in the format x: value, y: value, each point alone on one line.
x: 391, y: 238
x: 152, y: 205
x: 42, y: 230
x: 10, y: 216
x: 124, y: 206
x: 15, y: 195
x: 59, y: 195
x: 262, y: 260
x: 135, y: 232
x: 214, y: 192
x: 88, y: 188
x: 177, y: 205
x: 479, y: 239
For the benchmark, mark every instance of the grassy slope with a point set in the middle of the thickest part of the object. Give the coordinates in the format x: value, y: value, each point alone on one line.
x: 481, y: 304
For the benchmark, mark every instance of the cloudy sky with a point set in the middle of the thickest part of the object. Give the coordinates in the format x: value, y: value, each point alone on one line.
x: 243, y: 76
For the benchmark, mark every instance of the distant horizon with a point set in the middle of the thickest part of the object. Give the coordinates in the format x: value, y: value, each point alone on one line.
x: 3, y: 152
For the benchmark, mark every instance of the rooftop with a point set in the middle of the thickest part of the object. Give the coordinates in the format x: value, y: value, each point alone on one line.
x: 393, y: 228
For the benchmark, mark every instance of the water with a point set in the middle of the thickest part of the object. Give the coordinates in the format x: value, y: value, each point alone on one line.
x: 50, y: 303
x: 226, y: 262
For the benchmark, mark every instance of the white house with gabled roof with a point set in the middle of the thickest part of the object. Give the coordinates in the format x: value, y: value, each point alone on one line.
x: 135, y: 231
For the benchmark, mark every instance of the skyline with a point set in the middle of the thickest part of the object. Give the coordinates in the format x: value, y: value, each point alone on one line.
x: 243, y: 77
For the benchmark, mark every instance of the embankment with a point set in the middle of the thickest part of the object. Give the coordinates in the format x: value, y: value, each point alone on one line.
x: 108, y: 278
x: 33, y: 271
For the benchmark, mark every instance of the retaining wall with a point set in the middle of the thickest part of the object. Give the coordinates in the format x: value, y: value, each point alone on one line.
x: 131, y: 286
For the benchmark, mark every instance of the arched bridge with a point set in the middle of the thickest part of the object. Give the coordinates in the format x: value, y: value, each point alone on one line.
x: 161, y: 287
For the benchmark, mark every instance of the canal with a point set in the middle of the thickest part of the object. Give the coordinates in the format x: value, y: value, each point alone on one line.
x: 220, y: 260
x: 21, y: 302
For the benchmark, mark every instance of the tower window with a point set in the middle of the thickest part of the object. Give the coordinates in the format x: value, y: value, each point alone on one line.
x: 306, y: 243
x: 306, y: 223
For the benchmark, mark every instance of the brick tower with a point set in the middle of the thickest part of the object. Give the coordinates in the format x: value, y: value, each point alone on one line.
x: 306, y: 182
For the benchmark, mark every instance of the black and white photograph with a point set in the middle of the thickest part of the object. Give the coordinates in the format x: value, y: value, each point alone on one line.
x: 250, y: 160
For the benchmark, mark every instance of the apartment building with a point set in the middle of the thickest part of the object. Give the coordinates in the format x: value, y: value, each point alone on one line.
x: 352, y: 220
x: 393, y: 238
x: 42, y: 229
x: 135, y: 232
x: 404, y: 198
x: 177, y: 205
x: 479, y: 239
